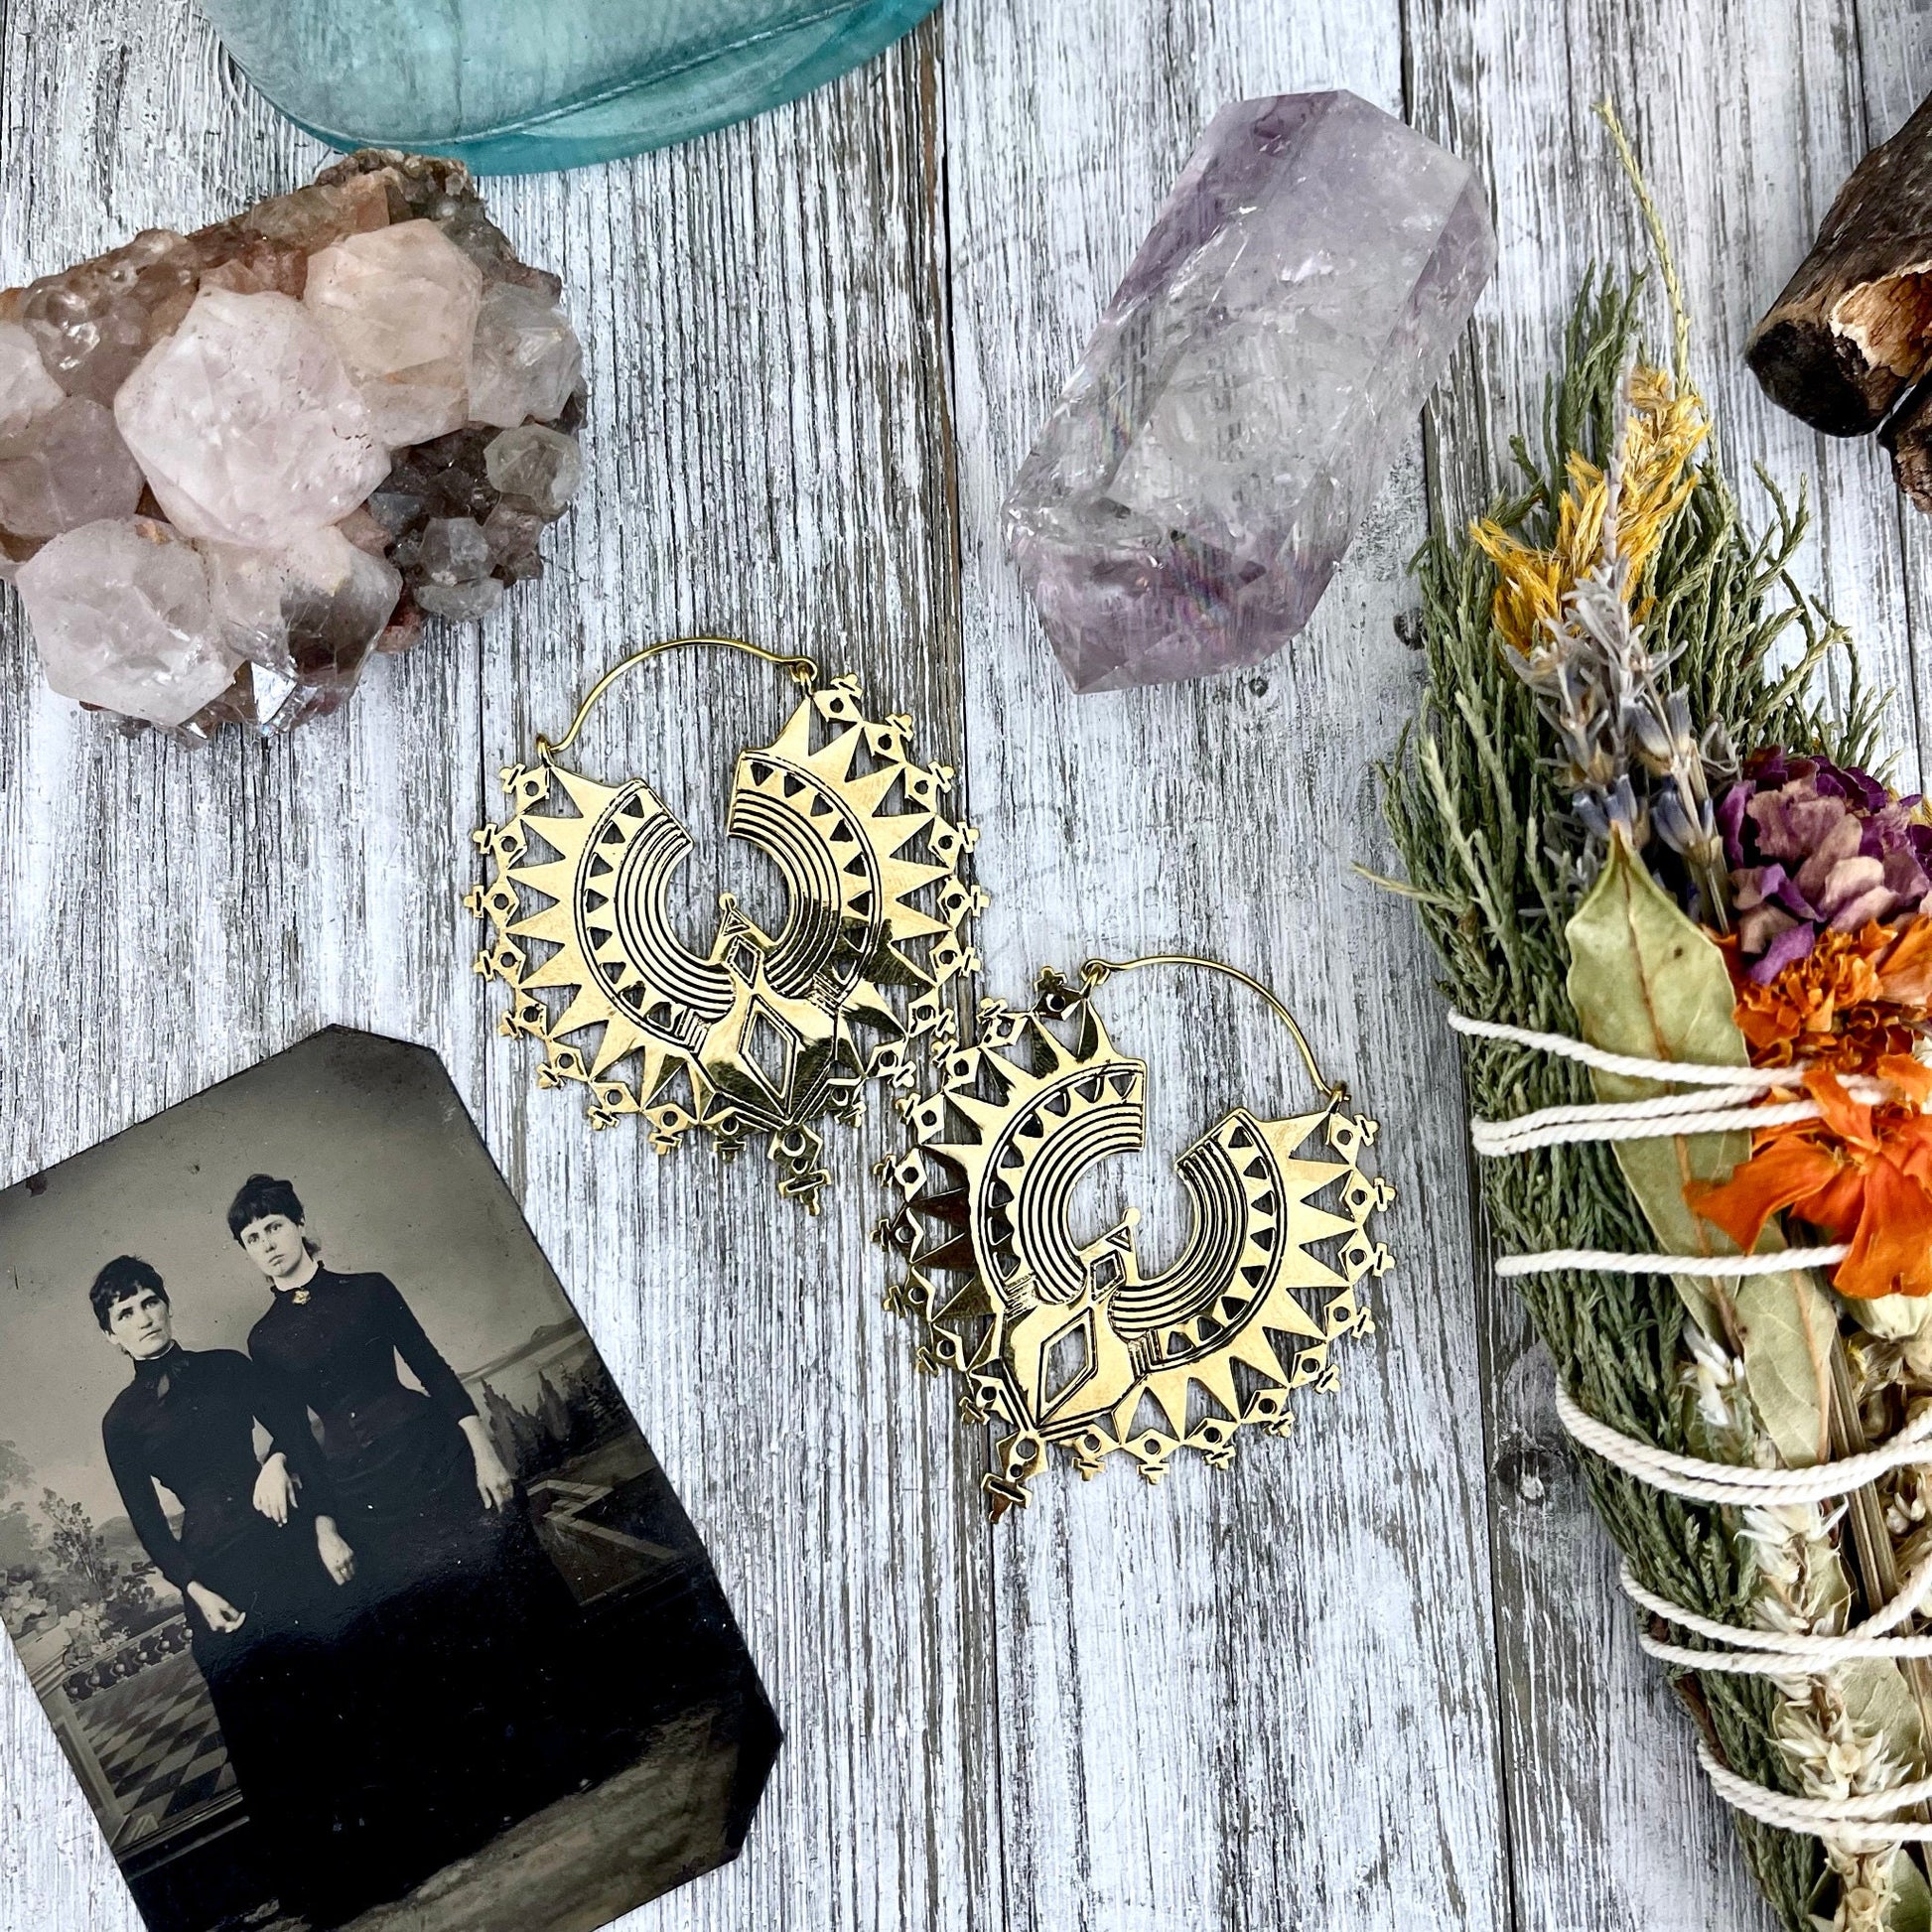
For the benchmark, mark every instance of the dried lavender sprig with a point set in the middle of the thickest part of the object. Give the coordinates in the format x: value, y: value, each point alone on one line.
x: 1630, y: 755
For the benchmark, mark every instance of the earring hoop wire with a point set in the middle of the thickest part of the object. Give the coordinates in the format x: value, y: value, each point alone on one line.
x: 803, y: 669
x: 1096, y: 972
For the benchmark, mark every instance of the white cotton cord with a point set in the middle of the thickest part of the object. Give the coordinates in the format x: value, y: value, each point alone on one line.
x: 1786, y: 1663
x: 1662, y: 1116
x: 1911, y: 1593
x: 1583, y: 1113
x: 1853, y: 1820
x: 1611, y: 1261
x: 1648, y: 1120
x: 1741, y: 1483
x: 1657, y: 1117
x: 1856, y: 1820
x: 1631, y: 1066
x: 1808, y: 1812
x: 1868, y: 1819
x: 1784, y: 1653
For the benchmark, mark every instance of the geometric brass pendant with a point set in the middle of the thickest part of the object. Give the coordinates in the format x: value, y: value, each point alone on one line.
x: 1069, y: 1343
x: 766, y: 1033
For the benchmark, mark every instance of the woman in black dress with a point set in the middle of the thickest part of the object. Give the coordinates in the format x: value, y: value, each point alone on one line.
x: 255, y: 1563
x: 454, y: 1670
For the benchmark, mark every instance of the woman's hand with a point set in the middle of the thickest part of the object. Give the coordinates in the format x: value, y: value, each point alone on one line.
x: 218, y: 1613
x: 495, y: 1483
x: 275, y: 1489
x: 337, y: 1557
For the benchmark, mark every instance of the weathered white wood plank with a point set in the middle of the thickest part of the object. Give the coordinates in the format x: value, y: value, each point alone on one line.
x: 1264, y: 1698
x: 766, y: 454
x: 768, y: 459
x: 1894, y: 52
x: 1746, y: 122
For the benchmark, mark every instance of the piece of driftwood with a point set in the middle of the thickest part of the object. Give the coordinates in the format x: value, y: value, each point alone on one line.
x: 1853, y: 331
x: 1908, y: 435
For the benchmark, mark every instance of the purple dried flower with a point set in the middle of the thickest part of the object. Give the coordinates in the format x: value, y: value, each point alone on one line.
x: 1812, y: 844
x: 1791, y: 945
x: 1731, y: 820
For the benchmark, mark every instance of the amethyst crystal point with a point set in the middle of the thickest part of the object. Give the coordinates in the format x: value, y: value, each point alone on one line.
x: 1247, y: 390
x: 352, y: 404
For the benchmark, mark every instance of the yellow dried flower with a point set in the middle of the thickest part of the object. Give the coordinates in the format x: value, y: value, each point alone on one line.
x: 1661, y: 435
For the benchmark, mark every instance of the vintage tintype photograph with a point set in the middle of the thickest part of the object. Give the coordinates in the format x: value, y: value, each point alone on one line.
x: 326, y: 1539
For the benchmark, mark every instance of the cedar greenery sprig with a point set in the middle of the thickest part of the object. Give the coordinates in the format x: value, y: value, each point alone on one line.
x: 1482, y: 822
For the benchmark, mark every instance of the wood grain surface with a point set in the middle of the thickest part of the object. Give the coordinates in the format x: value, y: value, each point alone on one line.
x: 1374, y: 1678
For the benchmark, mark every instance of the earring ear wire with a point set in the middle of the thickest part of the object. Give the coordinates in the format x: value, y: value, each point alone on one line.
x: 803, y: 670
x: 1094, y: 973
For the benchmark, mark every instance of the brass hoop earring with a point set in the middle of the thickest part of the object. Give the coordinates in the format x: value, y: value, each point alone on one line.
x: 1068, y: 1343
x: 767, y: 1033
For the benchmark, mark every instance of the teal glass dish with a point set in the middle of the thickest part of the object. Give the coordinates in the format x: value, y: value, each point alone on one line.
x: 516, y: 86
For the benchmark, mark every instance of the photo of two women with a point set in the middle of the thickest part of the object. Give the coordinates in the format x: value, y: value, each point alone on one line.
x: 383, y: 1591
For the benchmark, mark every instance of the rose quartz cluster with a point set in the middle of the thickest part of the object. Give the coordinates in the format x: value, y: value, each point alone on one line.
x: 248, y: 425
x: 236, y: 464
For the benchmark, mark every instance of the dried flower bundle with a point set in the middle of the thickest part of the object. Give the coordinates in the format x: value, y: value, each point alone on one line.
x: 1620, y: 800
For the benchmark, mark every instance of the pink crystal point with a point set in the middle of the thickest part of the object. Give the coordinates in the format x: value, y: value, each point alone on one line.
x: 1247, y: 390
x: 67, y: 468
x: 321, y: 586
x: 26, y: 392
x: 401, y: 306
x: 123, y: 620
x: 248, y: 427
x: 96, y: 321
x: 527, y: 359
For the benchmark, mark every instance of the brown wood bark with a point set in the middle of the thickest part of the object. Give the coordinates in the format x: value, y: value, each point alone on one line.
x: 1908, y: 435
x: 1852, y: 329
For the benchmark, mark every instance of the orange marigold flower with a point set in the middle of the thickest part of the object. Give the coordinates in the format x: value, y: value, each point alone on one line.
x: 1854, y: 999
x: 1905, y: 972
x: 1860, y: 1174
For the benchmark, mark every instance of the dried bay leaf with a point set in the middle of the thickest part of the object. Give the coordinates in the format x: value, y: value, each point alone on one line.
x: 1911, y: 1903
x: 1645, y: 980
x: 1786, y: 1328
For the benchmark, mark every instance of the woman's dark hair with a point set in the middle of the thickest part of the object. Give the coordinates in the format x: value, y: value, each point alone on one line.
x: 262, y: 1196
x: 125, y: 1275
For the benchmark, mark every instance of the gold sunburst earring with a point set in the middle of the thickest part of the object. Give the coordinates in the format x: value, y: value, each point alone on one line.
x: 1068, y: 1343
x: 765, y: 1033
